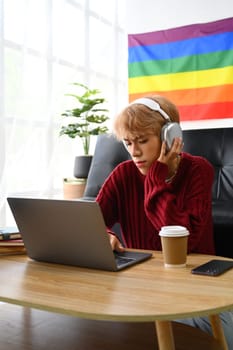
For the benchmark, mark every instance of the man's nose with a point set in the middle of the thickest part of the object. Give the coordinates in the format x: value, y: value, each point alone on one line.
x: 135, y: 150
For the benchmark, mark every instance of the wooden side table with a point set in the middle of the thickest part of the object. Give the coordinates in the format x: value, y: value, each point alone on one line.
x: 73, y: 188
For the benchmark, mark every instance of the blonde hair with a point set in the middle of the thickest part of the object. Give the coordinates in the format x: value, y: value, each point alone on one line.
x: 136, y: 119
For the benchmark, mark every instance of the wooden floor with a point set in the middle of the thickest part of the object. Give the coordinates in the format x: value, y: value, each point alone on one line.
x: 30, y: 329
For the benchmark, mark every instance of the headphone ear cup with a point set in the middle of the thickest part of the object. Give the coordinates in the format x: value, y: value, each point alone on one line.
x: 169, y: 132
x: 164, y: 133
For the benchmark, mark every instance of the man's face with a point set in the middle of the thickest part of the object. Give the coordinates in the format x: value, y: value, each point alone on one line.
x: 144, y: 150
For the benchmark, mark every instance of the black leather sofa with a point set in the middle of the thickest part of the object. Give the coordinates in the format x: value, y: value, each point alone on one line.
x: 216, y: 145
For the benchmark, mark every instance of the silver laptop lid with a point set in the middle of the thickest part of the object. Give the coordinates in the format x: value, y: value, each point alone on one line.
x: 68, y: 232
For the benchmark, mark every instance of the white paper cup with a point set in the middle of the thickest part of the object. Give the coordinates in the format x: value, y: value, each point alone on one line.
x: 174, y: 241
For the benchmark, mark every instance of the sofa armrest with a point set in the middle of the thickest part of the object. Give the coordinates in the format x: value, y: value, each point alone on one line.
x: 223, y: 213
x: 109, y: 152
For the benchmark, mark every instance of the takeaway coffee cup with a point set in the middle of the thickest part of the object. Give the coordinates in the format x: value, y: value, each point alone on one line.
x: 174, y: 241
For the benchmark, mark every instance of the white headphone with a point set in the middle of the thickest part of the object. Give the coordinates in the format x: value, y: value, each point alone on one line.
x: 148, y: 102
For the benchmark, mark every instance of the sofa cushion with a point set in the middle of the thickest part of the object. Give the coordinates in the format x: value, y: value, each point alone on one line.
x: 109, y: 152
x: 216, y: 145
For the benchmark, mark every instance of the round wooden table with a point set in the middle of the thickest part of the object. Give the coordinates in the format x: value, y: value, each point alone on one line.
x: 143, y: 293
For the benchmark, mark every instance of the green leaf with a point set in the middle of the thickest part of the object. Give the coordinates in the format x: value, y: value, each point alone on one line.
x: 89, y: 111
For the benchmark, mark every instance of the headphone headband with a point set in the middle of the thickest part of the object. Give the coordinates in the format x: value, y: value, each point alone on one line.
x: 148, y: 102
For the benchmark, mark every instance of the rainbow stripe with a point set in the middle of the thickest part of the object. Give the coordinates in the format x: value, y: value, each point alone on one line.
x: 191, y: 65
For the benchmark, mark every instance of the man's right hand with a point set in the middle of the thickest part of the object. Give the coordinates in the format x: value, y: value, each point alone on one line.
x: 115, y: 243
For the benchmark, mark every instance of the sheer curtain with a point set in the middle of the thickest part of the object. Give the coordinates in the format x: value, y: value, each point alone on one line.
x: 44, y: 46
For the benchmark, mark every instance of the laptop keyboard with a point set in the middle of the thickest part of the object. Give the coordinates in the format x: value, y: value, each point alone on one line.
x: 122, y: 260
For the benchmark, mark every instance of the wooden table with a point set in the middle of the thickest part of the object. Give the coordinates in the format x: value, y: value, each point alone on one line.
x: 143, y: 293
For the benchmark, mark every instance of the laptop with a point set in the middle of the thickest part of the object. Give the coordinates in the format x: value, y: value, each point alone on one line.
x: 70, y: 232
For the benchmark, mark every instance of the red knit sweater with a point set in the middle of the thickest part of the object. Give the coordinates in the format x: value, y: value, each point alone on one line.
x: 143, y: 204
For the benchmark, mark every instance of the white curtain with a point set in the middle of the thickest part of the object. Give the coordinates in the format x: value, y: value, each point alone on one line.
x: 44, y: 46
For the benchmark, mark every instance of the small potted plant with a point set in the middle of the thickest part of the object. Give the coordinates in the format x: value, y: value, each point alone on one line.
x: 83, y: 121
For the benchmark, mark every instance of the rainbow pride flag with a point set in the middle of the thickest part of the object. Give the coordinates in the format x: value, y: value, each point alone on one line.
x: 191, y: 65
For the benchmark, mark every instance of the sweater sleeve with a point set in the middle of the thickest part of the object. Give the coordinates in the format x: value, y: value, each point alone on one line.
x: 108, y: 200
x: 186, y: 201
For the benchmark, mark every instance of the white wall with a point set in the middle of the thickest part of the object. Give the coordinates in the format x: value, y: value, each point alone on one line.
x: 150, y: 15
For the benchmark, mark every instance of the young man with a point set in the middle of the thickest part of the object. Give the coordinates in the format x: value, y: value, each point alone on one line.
x: 160, y: 186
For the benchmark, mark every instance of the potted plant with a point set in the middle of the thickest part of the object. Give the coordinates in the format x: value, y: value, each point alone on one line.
x: 83, y: 121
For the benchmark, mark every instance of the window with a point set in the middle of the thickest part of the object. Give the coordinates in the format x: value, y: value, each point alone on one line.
x: 44, y: 46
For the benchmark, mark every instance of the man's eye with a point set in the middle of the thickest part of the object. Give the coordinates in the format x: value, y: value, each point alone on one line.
x: 143, y: 141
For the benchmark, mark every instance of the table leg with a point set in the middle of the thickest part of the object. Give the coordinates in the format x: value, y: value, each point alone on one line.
x: 165, y: 335
x: 218, y: 330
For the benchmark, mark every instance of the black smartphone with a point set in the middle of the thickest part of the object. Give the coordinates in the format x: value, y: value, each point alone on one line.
x: 213, y: 267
